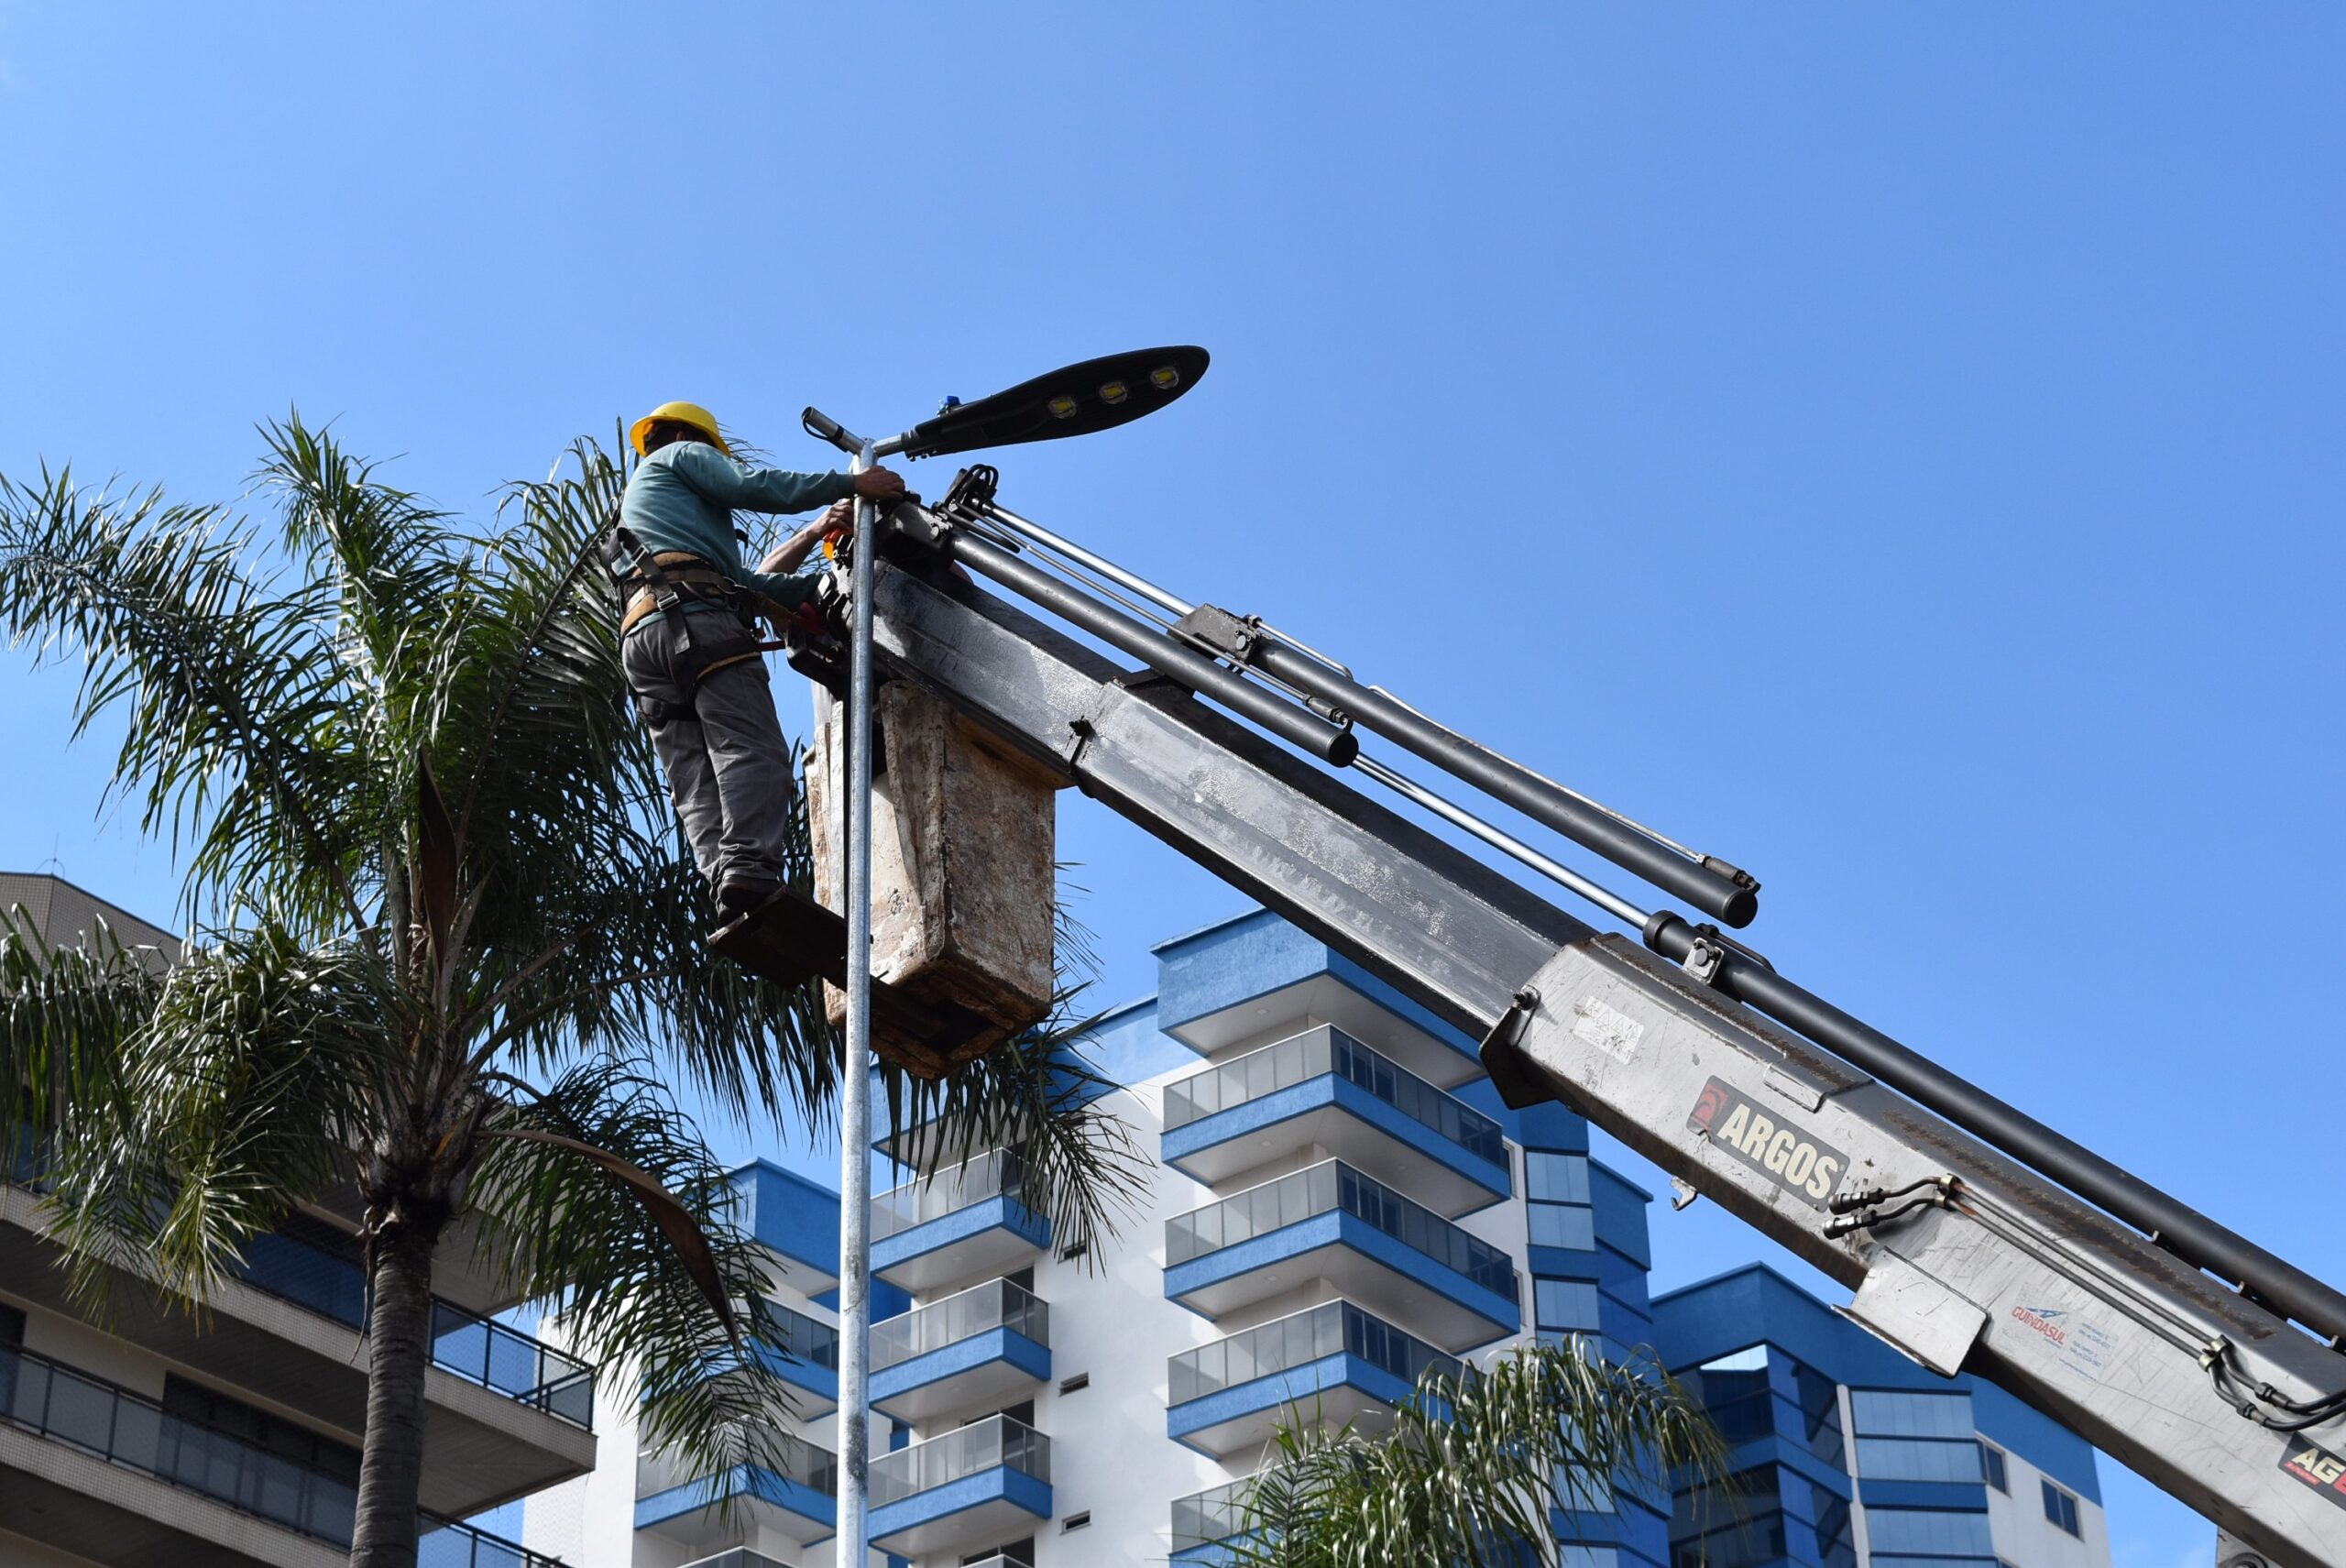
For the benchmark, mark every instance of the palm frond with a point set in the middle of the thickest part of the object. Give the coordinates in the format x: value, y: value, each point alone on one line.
x: 258, y: 1080
x: 561, y: 1226
x: 1039, y: 1096
x: 234, y: 714
x: 64, y: 1014
x: 1475, y: 1466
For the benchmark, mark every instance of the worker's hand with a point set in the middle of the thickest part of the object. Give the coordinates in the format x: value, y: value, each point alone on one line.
x: 838, y: 522
x: 880, y: 485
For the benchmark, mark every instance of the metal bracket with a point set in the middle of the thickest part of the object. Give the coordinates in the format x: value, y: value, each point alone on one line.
x: 1212, y: 630
x: 1704, y: 959
x: 1921, y: 1317
x: 971, y: 491
x: 1517, y: 1083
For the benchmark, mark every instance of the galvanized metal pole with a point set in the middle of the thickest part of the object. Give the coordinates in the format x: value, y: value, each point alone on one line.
x: 855, y: 1071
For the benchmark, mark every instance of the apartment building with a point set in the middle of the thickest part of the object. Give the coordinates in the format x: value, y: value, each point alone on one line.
x: 154, y: 1436
x: 1848, y: 1455
x: 1337, y: 1200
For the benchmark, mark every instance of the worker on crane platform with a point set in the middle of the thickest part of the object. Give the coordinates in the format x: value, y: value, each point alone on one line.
x: 688, y: 640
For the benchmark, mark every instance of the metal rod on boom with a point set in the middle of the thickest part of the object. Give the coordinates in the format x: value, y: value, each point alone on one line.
x: 1074, y: 552
x: 855, y: 1070
x: 1605, y: 898
x: 1329, y: 743
x: 1716, y: 895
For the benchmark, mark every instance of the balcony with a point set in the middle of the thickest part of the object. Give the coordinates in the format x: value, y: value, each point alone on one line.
x: 1323, y: 1088
x: 978, y: 1348
x: 798, y: 1501
x: 811, y: 1362
x: 960, y: 1223
x: 93, y: 1469
x: 1203, y: 1521
x: 1332, y: 1360
x: 991, y: 1481
x: 1397, y: 1258
x: 304, y: 1270
x: 506, y: 1413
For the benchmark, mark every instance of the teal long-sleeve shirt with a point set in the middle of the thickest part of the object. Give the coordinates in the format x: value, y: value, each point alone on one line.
x: 684, y: 496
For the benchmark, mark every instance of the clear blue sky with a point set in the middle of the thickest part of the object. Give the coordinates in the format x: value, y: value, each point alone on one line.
x: 1897, y: 447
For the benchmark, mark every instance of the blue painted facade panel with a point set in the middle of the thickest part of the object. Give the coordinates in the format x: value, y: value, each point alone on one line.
x: 963, y: 1356
x: 795, y: 1217
x: 1001, y: 1484
x: 746, y: 1481
x: 1337, y: 1228
x: 1237, y: 960
x: 1942, y: 1496
x: 986, y: 1214
x: 1320, y: 1094
x: 804, y: 1374
x: 1295, y: 1386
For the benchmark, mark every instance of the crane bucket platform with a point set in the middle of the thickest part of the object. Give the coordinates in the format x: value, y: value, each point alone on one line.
x: 791, y: 939
x: 963, y: 883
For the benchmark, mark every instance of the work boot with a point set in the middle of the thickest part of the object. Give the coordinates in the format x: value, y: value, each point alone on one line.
x: 737, y: 896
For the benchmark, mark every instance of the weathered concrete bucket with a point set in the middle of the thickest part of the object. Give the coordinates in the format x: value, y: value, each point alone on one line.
x: 963, y: 878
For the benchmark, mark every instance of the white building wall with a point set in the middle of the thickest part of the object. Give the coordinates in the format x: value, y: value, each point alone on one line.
x: 1110, y: 1455
x: 2026, y: 1538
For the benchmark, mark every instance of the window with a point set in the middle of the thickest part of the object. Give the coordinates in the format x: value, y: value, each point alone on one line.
x: 2060, y: 1507
x: 1555, y: 1177
x: 1562, y: 1224
x: 1884, y: 1413
x: 1991, y: 1459
x: 1734, y: 1390
x: 1927, y: 1532
x: 1915, y: 1436
x: 1836, y: 1546
x: 1565, y: 1304
x: 1738, y: 1524
x: 278, y: 1438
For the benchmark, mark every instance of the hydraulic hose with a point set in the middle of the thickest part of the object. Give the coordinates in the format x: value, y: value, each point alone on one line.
x: 1717, y: 895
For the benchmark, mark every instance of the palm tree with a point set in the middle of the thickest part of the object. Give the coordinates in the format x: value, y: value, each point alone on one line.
x: 447, y: 944
x: 1474, y: 1465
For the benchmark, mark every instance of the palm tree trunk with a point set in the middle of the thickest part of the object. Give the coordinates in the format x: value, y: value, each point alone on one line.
x: 391, y: 1470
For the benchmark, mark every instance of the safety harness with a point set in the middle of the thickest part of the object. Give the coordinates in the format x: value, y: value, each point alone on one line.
x: 661, y: 584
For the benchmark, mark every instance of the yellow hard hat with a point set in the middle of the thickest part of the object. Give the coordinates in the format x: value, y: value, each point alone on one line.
x: 693, y: 414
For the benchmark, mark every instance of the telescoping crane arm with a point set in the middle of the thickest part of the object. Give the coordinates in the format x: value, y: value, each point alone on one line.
x: 1963, y: 1227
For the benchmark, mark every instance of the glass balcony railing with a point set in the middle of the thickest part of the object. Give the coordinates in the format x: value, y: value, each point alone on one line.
x: 794, y: 1459
x: 1318, y: 1053
x: 993, y: 1443
x: 991, y: 1175
x: 1203, y: 1517
x: 1333, y: 1186
x: 737, y: 1557
x: 806, y: 1339
x: 996, y: 1304
x: 1333, y: 1328
x: 136, y: 1432
x: 307, y: 1272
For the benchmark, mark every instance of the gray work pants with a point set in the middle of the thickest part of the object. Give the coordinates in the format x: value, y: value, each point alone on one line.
x: 720, y: 744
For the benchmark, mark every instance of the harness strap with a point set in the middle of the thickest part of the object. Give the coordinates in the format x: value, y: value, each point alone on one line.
x: 660, y: 583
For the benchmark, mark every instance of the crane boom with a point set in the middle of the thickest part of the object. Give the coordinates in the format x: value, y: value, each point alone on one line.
x: 1960, y: 1255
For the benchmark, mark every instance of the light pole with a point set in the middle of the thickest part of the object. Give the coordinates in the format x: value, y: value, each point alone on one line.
x: 1097, y: 394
